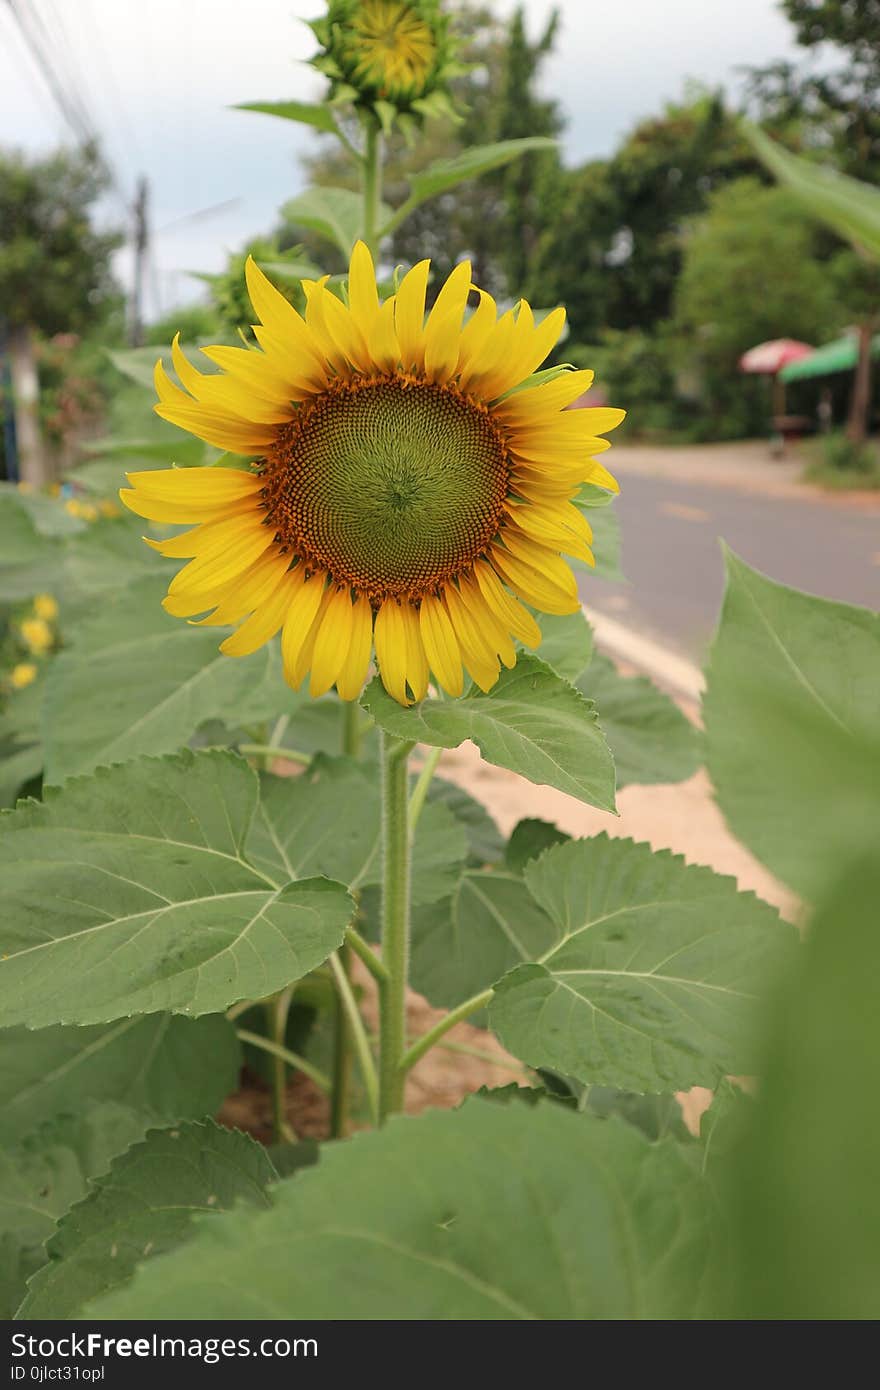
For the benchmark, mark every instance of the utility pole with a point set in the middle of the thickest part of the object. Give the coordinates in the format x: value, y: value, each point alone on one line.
x: 141, y: 240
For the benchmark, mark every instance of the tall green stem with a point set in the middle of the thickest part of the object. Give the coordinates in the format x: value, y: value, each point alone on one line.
x: 372, y: 186
x: 395, y: 924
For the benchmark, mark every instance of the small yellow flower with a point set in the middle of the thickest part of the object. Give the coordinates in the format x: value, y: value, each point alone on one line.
x: 45, y: 607
x: 108, y: 508
x: 36, y: 634
x: 412, y: 489
x: 83, y: 511
x: 23, y: 674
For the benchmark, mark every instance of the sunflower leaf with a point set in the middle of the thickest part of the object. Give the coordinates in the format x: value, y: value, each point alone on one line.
x: 790, y: 712
x: 652, y: 741
x: 306, y: 113
x: 444, y: 174
x: 159, y: 680
x: 651, y: 980
x: 131, y: 894
x: 531, y: 722
x: 44, y: 1174
x: 493, y: 1211
x: 171, y: 1067
x: 333, y: 213
x: 143, y: 1207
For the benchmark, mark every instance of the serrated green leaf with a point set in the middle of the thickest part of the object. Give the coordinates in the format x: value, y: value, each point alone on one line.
x: 566, y: 643
x: 329, y: 821
x: 809, y: 1203
x: 144, y: 1207
x: 790, y: 711
x: 491, y: 1212
x: 334, y: 213
x: 306, y: 113
x: 462, y: 944
x: 531, y: 722
x: 848, y: 206
x: 135, y: 680
x: 652, y: 981
x: 130, y: 894
x: 528, y: 839
x: 42, y: 1176
x: 650, y: 738
x: 170, y: 1067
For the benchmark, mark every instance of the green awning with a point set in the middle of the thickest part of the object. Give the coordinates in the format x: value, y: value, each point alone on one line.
x: 839, y: 356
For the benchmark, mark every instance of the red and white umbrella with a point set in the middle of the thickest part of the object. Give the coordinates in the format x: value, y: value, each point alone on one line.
x: 769, y: 358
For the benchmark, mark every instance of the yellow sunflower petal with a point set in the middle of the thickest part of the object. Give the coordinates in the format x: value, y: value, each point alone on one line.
x: 441, y: 645
x: 297, y: 625
x: 210, y: 537
x: 384, y: 346
x: 244, y: 594
x: 252, y: 542
x: 390, y: 638
x: 175, y: 513
x: 477, y: 331
x: 532, y: 584
x: 409, y: 315
x: 363, y: 296
x: 217, y: 428
x: 479, y: 659
x: 263, y: 623
x: 534, y: 403
x: 214, y: 485
x: 416, y: 660
x: 280, y: 317
x: 453, y: 296
x: 518, y: 619
x: 332, y: 641
x: 254, y: 370
x: 350, y: 681
x: 486, y: 620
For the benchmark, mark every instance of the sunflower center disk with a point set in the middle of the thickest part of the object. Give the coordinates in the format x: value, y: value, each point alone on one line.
x: 394, y: 486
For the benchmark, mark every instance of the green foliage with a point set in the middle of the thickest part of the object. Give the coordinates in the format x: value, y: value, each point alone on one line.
x: 791, y: 733
x: 650, y: 738
x: 54, y: 265
x: 144, y: 1207
x: 133, y: 895
x: 531, y: 722
x: 807, y: 1209
x: 413, y: 1222
x: 649, y: 972
x: 750, y: 273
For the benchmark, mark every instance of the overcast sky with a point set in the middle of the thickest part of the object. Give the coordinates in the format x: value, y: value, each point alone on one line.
x: 158, y: 79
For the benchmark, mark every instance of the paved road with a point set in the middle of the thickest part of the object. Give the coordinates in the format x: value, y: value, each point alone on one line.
x: 672, y: 559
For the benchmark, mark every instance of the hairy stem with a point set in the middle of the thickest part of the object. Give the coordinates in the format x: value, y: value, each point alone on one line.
x: 421, y: 788
x: 395, y: 923
x: 359, y: 1035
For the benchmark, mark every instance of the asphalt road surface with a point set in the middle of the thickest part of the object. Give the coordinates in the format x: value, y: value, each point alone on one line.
x: 672, y: 558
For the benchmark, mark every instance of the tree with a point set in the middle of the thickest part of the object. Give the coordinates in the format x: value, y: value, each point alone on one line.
x: 54, y: 272
x: 750, y: 273
x: 614, y: 243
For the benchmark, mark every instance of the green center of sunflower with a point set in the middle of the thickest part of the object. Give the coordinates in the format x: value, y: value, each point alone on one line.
x: 390, y: 484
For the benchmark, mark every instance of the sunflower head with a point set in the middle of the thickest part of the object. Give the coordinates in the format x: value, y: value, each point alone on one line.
x: 409, y: 491
x: 392, y: 57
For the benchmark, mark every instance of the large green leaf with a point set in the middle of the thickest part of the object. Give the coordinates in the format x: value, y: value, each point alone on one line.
x: 329, y: 821
x: 143, y: 1207
x: 138, y: 364
x: 809, y: 1208
x: 128, y: 892
x: 531, y: 722
x: 444, y: 174
x: 318, y: 115
x: 135, y: 680
x: 42, y: 1176
x: 334, y: 213
x: 790, y: 710
x: 650, y: 738
x: 849, y: 207
x: 491, y: 1212
x: 462, y: 944
x: 168, y: 1066
x: 21, y: 749
x: 652, y: 980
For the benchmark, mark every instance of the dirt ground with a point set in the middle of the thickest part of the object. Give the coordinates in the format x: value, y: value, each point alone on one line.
x: 681, y: 817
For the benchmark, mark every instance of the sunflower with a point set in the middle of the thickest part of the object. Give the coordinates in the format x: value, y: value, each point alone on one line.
x: 411, y: 491
x: 392, y: 56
